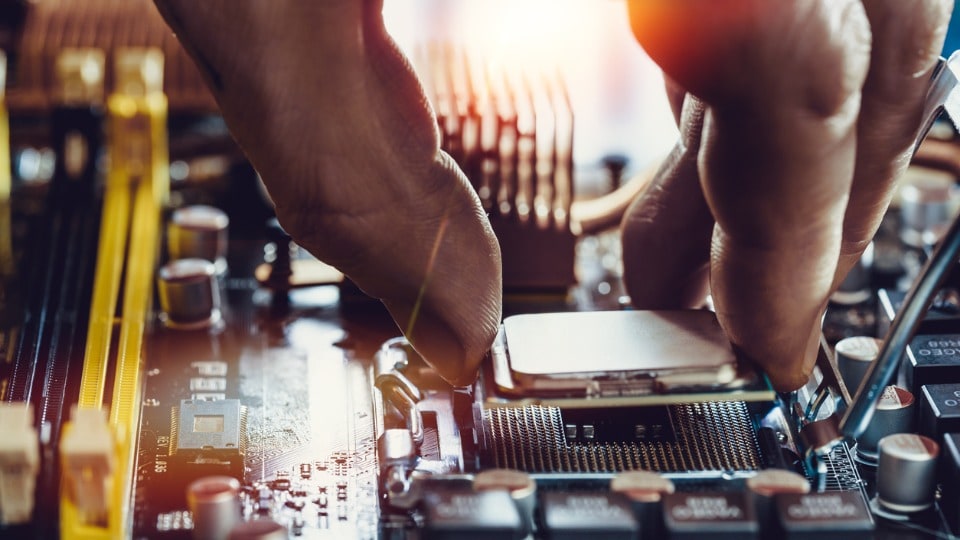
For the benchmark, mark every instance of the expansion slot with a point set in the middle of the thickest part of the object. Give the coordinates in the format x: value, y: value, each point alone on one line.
x: 95, y: 499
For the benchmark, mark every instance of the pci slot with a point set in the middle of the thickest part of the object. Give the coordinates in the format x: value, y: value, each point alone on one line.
x: 129, y: 237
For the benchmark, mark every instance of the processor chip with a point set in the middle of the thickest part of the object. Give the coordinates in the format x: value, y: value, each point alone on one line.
x: 618, y: 354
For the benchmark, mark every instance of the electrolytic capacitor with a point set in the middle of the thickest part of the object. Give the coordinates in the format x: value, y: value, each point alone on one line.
x: 520, y: 485
x: 854, y: 356
x: 926, y: 204
x: 894, y: 414
x: 189, y: 296
x: 259, y: 529
x: 199, y: 232
x: 215, y: 504
x: 766, y: 485
x: 645, y: 491
x: 906, y: 473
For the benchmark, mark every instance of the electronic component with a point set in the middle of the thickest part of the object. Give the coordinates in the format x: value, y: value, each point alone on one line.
x: 199, y: 232
x: 927, y: 203
x: 940, y: 410
x: 906, y: 472
x: 575, y: 515
x: 88, y: 457
x: 719, y: 515
x: 5, y: 180
x: 214, y: 502
x: 620, y: 358
x: 932, y: 359
x: 568, y: 423
x: 895, y: 413
x: 839, y: 515
x: 766, y: 485
x: 210, y: 433
x: 520, y: 485
x: 854, y: 356
x: 950, y: 480
x: 452, y: 514
x: 259, y: 529
x: 770, y: 482
x: 189, y: 295
x: 715, y: 436
x: 645, y: 491
x: 19, y: 462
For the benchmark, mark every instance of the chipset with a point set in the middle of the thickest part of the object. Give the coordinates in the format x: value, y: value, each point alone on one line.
x: 209, y: 431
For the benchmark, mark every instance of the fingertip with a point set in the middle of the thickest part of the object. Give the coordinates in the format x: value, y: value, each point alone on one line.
x: 786, y: 367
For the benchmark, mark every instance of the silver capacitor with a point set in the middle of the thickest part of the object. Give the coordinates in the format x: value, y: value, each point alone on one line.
x: 189, y: 295
x: 894, y: 414
x: 854, y: 356
x: 214, y: 502
x: 926, y: 205
x: 520, y: 485
x: 199, y: 232
x: 906, y: 472
x: 259, y: 529
x: 855, y: 287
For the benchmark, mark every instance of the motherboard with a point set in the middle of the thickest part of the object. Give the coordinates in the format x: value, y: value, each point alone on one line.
x: 175, y: 366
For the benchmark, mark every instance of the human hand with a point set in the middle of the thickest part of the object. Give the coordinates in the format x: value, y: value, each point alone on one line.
x: 334, y: 120
x: 796, y: 119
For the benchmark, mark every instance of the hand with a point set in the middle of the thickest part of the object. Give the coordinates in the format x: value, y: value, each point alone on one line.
x: 334, y: 120
x: 796, y: 119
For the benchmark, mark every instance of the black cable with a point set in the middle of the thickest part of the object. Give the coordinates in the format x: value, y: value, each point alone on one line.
x: 918, y: 300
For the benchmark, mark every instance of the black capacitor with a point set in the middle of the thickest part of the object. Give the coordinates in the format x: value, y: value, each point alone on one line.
x: 462, y: 514
x: 719, y: 515
x: 834, y: 515
x: 594, y: 515
x: 940, y: 410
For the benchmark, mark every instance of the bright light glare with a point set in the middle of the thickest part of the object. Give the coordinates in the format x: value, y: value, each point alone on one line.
x: 616, y: 91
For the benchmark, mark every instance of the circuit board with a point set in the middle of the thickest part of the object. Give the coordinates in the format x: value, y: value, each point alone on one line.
x: 175, y: 366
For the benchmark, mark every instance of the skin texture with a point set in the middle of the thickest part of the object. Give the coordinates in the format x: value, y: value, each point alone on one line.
x: 336, y: 123
x: 796, y: 119
x: 810, y: 112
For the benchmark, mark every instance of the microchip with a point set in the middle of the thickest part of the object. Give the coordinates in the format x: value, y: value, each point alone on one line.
x: 215, y: 429
x: 465, y: 515
x: 838, y: 515
x: 599, y: 516
x: 716, y: 514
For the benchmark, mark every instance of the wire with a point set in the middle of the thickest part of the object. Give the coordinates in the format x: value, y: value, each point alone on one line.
x: 918, y: 300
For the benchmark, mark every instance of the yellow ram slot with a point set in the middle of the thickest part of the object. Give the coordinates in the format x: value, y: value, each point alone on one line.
x: 139, y: 172
x: 6, y: 241
x: 5, y: 180
x: 106, y: 288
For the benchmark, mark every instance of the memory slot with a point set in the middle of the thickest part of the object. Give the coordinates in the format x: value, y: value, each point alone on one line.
x: 129, y: 237
x: 46, y: 363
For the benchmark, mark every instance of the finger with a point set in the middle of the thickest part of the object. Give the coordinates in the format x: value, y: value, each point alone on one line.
x: 781, y: 81
x: 333, y: 118
x: 667, y: 229
x: 676, y: 95
x: 907, y: 39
